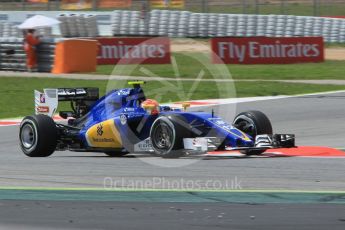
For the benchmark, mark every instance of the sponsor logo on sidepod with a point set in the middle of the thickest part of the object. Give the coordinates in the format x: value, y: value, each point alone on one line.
x: 100, y: 133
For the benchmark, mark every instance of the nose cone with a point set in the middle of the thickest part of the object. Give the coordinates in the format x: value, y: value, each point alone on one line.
x: 242, y: 139
x: 241, y: 135
x: 244, y: 142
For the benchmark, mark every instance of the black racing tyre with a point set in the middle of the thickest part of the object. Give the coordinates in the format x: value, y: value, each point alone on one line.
x: 167, y: 133
x: 38, y: 136
x: 253, y: 123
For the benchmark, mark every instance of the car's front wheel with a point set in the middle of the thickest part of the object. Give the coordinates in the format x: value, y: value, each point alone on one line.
x: 38, y: 136
x: 253, y: 123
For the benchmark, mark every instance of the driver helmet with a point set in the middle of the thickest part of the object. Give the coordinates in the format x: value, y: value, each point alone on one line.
x: 151, y: 106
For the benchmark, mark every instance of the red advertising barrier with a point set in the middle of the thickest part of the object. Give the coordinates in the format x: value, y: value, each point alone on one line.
x: 339, y: 17
x: 265, y: 50
x: 134, y: 51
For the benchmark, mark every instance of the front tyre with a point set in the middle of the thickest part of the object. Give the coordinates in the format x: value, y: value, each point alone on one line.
x: 38, y: 136
x: 253, y: 123
x: 166, y: 134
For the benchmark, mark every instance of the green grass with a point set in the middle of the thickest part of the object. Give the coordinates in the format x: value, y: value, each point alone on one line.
x: 189, y: 67
x: 335, y: 45
x: 16, y: 94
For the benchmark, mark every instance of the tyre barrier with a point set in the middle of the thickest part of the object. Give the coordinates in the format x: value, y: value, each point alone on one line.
x: 78, y: 25
x: 188, y: 24
x: 13, y: 57
x: 183, y: 24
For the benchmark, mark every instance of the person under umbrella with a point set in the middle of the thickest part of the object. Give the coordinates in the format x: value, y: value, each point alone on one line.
x: 30, y: 43
x: 30, y: 40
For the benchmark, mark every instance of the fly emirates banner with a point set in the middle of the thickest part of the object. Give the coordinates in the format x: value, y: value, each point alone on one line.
x: 133, y: 50
x: 267, y: 50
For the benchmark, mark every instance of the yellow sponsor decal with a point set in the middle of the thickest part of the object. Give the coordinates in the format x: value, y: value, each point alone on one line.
x: 245, y: 137
x: 104, y: 135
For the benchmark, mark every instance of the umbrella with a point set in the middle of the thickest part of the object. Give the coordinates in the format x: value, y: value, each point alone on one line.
x: 38, y: 21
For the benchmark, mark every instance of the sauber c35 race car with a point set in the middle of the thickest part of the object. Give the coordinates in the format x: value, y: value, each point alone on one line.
x: 125, y: 121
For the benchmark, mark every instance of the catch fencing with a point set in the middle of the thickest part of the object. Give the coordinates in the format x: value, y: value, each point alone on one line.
x: 283, y: 7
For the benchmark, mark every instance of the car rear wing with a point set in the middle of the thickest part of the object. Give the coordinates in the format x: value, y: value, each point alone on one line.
x: 73, y: 94
x: 47, y: 102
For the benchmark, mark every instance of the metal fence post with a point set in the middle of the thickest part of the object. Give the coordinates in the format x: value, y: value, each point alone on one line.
x: 205, y: 6
x: 282, y: 10
x: 23, y: 4
x: 257, y: 7
x: 148, y: 5
x: 146, y: 11
x: 94, y: 4
x: 244, y: 6
x: 316, y: 7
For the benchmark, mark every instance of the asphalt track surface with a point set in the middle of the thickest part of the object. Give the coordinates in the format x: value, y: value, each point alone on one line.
x: 316, y: 120
x: 123, y: 215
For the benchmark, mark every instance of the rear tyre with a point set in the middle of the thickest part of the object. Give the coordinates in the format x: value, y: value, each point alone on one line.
x: 166, y: 134
x: 38, y: 136
x: 253, y: 123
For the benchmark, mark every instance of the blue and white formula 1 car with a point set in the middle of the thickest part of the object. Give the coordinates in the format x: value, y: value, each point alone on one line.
x: 125, y: 121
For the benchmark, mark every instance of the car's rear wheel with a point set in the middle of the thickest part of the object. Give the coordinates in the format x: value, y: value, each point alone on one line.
x: 38, y: 136
x: 166, y: 134
x: 253, y: 123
